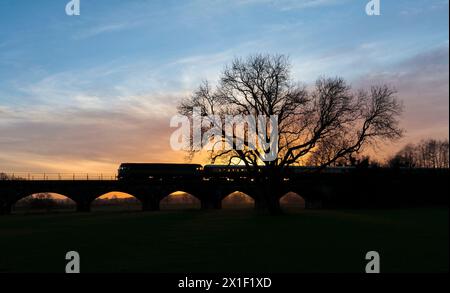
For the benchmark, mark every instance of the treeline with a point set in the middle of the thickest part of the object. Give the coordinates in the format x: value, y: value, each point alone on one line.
x: 4, y: 176
x: 43, y: 201
x: 429, y: 153
x: 116, y: 201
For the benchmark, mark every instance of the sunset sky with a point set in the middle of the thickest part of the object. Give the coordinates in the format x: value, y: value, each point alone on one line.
x: 85, y: 93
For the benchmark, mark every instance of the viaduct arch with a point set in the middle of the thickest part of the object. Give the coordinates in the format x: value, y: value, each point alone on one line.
x: 365, y: 189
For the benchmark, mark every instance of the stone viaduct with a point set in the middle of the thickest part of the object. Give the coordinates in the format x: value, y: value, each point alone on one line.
x: 378, y: 188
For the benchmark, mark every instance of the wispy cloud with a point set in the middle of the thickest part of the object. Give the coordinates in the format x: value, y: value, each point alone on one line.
x: 429, y: 6
x: 293, y: 4
x: 422, y: 84
x: 106, y: 28
x: 92, y: 91
x: 101, y: 137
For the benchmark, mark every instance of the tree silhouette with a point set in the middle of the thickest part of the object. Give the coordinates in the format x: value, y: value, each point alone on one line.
x: 330, y: 121
x: 430, y: 153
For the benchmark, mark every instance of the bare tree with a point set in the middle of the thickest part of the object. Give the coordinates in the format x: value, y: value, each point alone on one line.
x: 329, y: 121
x: 407, y: 157
x: 430, y: 153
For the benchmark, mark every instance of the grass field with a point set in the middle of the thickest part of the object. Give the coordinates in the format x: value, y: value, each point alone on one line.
x: 413, y: 240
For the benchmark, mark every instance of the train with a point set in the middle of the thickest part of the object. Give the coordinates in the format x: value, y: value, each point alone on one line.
x: 159, y: 171
x: 143, y: 171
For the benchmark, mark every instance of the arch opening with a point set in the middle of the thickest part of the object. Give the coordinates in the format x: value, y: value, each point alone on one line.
x: 44, y: 202
x: 292, y: 201
x: 180, y: 200
x: 238, y: 200
x: 116, y: 201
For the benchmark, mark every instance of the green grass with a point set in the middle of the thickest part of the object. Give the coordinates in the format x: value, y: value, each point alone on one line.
x: 410, y: 240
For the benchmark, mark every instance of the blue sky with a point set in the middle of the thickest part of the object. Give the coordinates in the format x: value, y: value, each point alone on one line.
x: 74, y: 88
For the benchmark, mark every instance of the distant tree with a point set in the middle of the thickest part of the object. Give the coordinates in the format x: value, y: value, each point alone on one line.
x: 365, y: 162
x: 359, y: 161
x: 42, y: 201
x: 330, y: 121
x: 430, y: 153
x: 4, y: 176
x: 407, y: 158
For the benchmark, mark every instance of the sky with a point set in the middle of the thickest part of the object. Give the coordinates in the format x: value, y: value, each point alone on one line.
x: 85, y: 93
